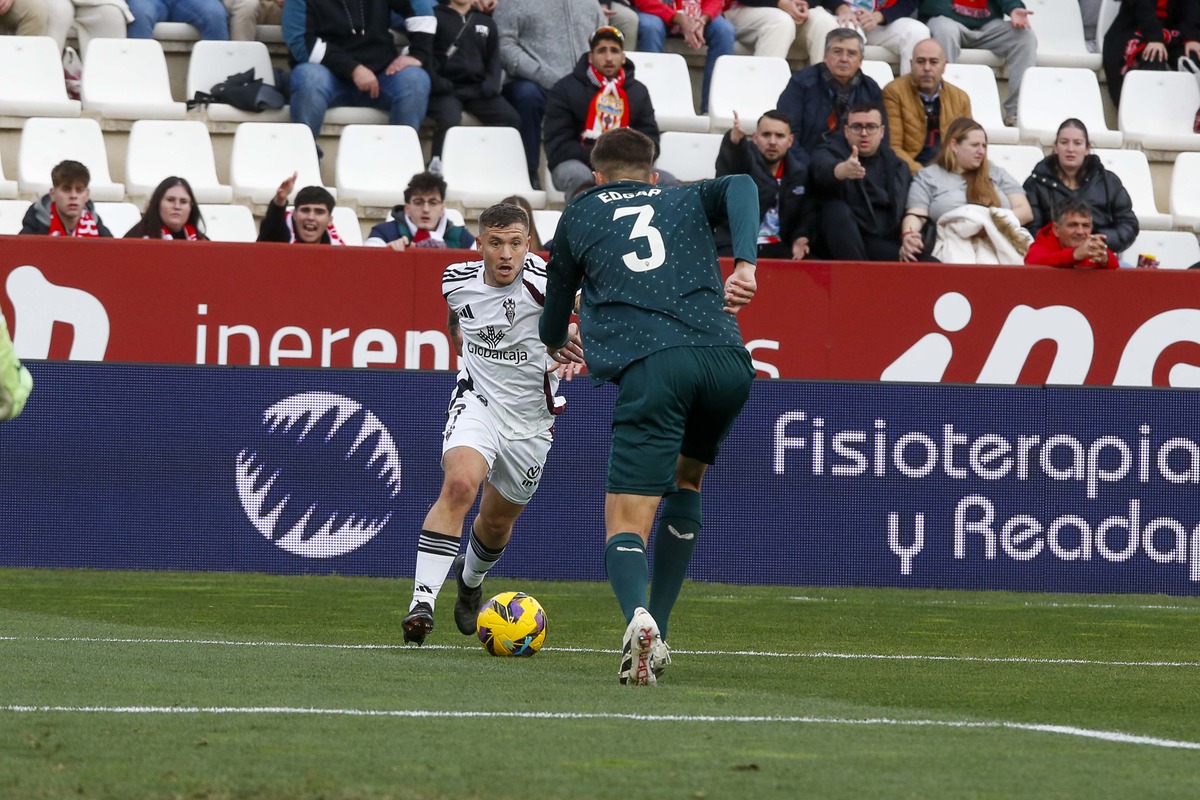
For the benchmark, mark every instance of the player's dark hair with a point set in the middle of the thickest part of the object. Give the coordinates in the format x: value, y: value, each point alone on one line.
x: 69, y: 174
x: 517, y: 200
x: 424, y: 183
x: 778, y: 116
x: 1074, y: 205
x: 503, y: 215
x: 315, y: 196
x: 623, y: 153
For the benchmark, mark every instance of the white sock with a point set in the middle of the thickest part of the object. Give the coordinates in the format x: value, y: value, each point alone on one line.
x: 435, y: 553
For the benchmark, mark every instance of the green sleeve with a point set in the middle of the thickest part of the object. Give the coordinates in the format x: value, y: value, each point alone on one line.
x: 563, y: 276
x: 735, y: 198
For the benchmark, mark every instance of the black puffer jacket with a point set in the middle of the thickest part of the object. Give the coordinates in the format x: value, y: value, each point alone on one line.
x: 1112, y: 210
x: 795, y: 204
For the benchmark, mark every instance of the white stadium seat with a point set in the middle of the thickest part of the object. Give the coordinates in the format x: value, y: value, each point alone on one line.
x: 1173, y: 249
x: 1133, y: 169
x: 45, y: 141
x: 119, y: 217
x: 689, y: 156
x: 267, y: 153
x: 546, y: 223
x: 1104, y: 20
x: 1017, y: 160
x: 376, y: 162
x: 128, y: 79
x: 1051, y: 94
x: 979, y: 82
x: 8, y: 188
x: 213, y: 61
x: 12, y: 212
x: 345, y: 221
x: 748, y: 85
x: 229, y: 223
x: 666, y: 77
x: 1158, y: 109
x: 483, y: 165
x: 879, y: 71
x: 1185, y: 200
x: 161, y: 148
x: 1060, y: 40
x: 40, y: 91
x: 176, y: 32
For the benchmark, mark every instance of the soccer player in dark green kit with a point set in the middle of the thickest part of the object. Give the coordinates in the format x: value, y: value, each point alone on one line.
x: 658, y: 322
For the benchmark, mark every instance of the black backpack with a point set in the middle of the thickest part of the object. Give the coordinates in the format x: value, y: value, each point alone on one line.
x: 242, y: 91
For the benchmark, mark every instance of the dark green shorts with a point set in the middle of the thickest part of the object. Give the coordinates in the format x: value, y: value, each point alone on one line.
x: 679, y: 401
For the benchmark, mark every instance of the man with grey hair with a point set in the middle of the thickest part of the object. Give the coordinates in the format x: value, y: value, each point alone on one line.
x: 816, y: 98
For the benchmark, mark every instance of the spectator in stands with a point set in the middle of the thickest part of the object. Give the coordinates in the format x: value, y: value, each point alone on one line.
x: 860, y: 187
x: 601, y: 93
x: 621, y: 16
x: 535, y: 240
x: 890, y: 24
x: 1072, y: 172
x: 171, y: 213
x: 309, y: 222
x: 24, y: 17
x: 422, y: 220
x: 465, y: 73
x: 960, y: 176
x: 540, y: 42
x: 1149, y: 34
x: 921, y: 105
x: 207, y: 16
x: 67, y: 209
x: 981, y: 24
x: 768, y: 27
x: 92, y: 19
x: 817, y: 97
x: 1069, y: 241
x: 781, y: 175
x: 357, y: 64
x: 246, y: 15
x: 700, y: 23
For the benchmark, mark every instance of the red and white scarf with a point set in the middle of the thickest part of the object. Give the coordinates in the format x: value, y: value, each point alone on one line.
x: 424, y: 238
x: 609, y: 107
x: 334, y: 237
x: 191, y: 234
x: 86, y: 226
x: 975, y: 9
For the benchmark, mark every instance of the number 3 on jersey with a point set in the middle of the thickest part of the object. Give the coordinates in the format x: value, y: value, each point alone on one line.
x: 642, y: 229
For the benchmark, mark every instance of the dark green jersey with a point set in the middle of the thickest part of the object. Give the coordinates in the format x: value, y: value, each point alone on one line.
x: 646, y: 258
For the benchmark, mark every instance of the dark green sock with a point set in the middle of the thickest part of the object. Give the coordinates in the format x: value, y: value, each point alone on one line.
x: 625, y: 562
x: 674, y: 541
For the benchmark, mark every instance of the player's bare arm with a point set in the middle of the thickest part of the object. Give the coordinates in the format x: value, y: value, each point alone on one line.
x: 455, y: 332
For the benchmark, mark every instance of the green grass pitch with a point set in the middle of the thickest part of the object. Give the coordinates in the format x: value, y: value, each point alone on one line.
x: 214, y: 686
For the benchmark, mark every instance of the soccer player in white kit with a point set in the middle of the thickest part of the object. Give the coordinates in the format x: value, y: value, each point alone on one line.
x: 500, y: 422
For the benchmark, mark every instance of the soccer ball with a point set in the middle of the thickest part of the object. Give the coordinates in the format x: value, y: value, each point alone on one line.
x: 512, y: 624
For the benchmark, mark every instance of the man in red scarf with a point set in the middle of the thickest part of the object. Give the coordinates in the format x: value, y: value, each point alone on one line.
x: 1068, y: 241
x: 67, y: 209
x: 599, y: 95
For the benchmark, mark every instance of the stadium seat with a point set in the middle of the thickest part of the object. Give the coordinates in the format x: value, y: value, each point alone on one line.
x: 127, y: 79
x: 1173, y: 249
x: 270, y: 34
x: 1060, y: 40
x: 979, y: 82
x: 1051, y: 94
x: 212, y: 62
x: 546, y: 223
x: 1133, y: 169
x: 1185, y: 200
x: 483, y: 165
x: 376, y: 162
x: 8, y: 188
x: 666, y: 77
x: 229, y: 222
x: 160, y: 148
x: 455, y: 217
x: 119, y: 217
x: 11, y: 214
x: 1158, y: 109
x: 45, y: 141
x: 1104, y: 20
x: 981, y: 57
x: 689, y: 156
x: 748, y: 85
x: 265, y: 154
x: 1018, y: 160
x: 40, y: 92
x: 879, y: 71
x: 347, y: 225
x: 357, y: 115
x: 176, y: 32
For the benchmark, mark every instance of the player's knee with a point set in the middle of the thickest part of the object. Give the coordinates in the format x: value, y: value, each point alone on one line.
x: 458, y: 491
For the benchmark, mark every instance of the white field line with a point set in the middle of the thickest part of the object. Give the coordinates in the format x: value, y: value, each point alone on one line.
x: 742, y: 653
x: 1026, y: 604
x: 1065, y: 730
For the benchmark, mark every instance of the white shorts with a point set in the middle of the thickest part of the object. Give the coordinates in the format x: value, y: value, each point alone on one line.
x: 514, y: 465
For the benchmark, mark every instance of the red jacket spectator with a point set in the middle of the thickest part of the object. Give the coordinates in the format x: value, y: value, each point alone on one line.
x: 1047, y: 250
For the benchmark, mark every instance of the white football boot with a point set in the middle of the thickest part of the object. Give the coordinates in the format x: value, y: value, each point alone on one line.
x: 642, y: 651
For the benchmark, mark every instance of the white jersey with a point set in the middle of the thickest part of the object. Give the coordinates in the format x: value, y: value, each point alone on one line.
x: 504, y: 360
